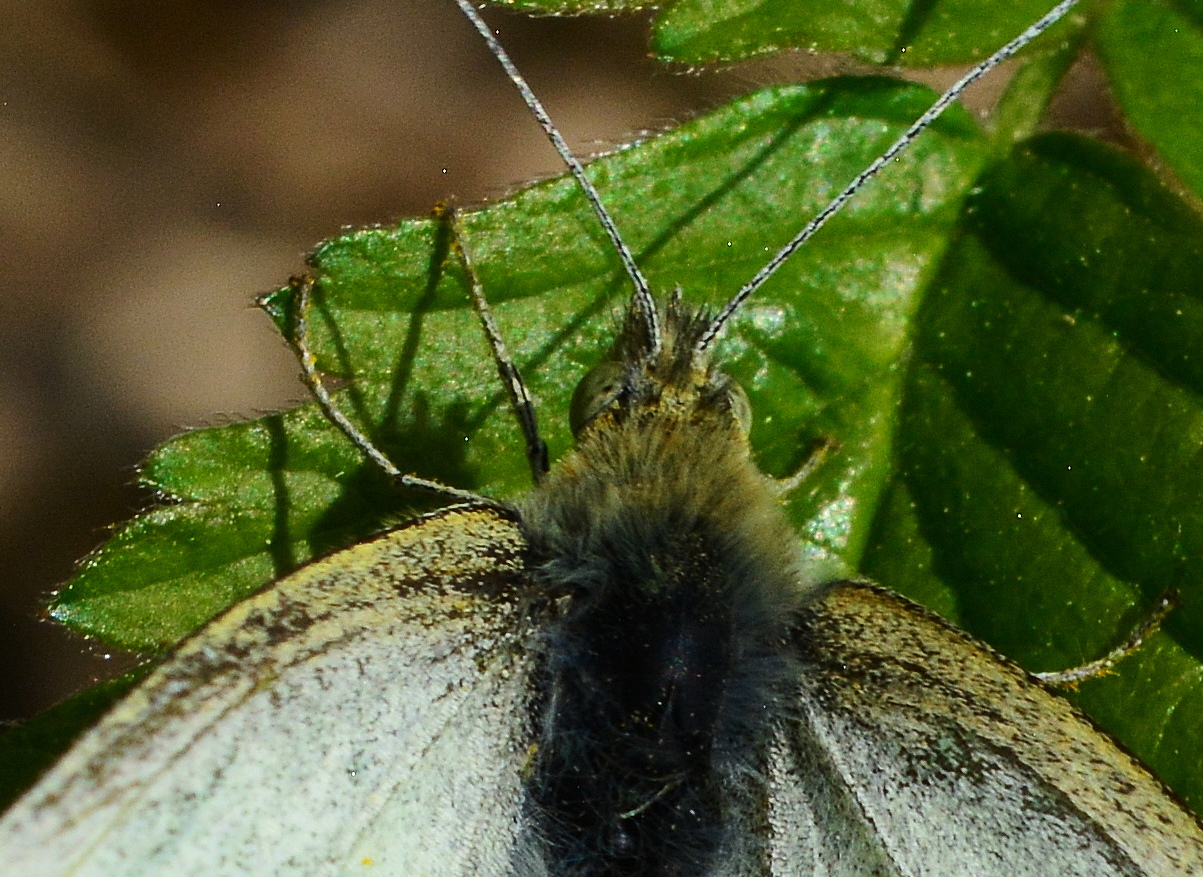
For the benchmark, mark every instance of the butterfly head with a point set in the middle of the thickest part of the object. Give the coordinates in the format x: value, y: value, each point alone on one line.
x: 659, y: 368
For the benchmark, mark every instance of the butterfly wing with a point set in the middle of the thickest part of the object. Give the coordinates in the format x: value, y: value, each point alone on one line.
x: 919, y: 751
x: 369, y: 709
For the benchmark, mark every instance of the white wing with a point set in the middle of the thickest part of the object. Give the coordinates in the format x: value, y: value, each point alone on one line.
x: 920, y: 752
x: 366, y: 714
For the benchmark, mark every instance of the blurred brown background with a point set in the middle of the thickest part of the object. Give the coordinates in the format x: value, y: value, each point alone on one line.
x: 164, y: 162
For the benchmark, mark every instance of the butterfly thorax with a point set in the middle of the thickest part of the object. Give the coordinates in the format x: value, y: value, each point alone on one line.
x: 661, y: 546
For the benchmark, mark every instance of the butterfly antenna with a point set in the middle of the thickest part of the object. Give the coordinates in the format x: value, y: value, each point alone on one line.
x: 642, y: 297
x: 906, y: 139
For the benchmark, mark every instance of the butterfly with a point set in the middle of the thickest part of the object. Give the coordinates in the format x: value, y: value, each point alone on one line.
x: 631, y: 670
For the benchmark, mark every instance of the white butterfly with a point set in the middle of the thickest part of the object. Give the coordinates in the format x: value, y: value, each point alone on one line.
x: 630, y: 670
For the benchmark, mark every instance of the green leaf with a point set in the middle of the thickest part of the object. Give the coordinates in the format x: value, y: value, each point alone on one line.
x: 1153, y: 54
x: 878, y: 31
x: 1049, y: 441
x: 1151, y: 50
x: 1003, y: 343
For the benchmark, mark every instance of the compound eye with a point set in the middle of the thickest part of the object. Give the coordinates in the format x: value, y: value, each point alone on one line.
x: 596, y: 392
x: 741, y: 407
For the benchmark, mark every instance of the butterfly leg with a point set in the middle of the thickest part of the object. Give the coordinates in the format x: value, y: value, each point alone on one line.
x: 313, y: 380
x: 1102, y: 665
x: 815, y: 457
x: 520, y: 398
